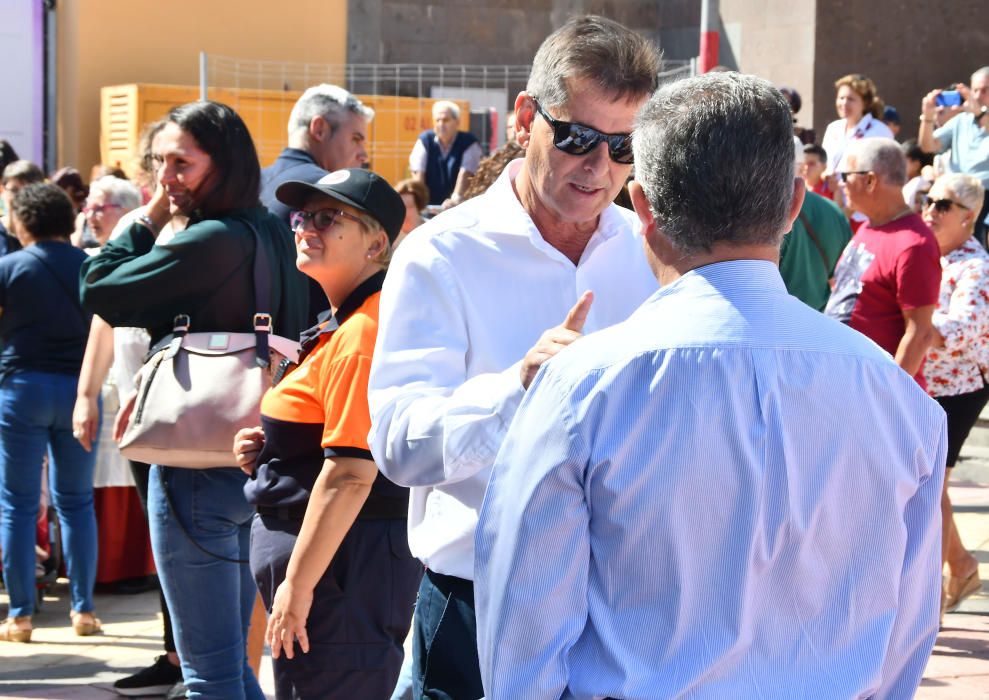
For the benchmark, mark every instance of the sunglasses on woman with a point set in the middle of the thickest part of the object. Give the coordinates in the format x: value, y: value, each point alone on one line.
x: 322, y: 219
x: 941, y: 206
x: 579, y: 139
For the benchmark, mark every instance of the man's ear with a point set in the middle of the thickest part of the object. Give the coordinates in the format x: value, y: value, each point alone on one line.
x: 797, y: 201
x: 319, y: 129
x: 525, y: 114
x: 641, y: 206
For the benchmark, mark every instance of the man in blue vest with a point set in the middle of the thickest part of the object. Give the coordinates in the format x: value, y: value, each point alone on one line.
x: 444, y: 158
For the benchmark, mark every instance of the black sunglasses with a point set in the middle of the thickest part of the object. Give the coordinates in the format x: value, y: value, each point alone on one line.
x: 843, y: 176
x: 941, y: 206
x: 321, y: 219
x: 579, y: 139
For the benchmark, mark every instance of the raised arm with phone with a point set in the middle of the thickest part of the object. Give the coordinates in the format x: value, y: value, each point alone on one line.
x: 958, y: 124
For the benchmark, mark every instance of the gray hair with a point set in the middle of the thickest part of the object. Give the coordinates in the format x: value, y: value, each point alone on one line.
x: 613, y: 57
x: 116, y: 191
x: 968, y: 190
x: 330, y: 102
x: 981, y: 73
x: 714, y: 156
x: 453, y: 107
x: 24, y: 171
x: 881, y: 156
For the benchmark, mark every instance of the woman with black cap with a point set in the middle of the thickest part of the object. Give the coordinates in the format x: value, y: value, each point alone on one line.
x: 329, y: 549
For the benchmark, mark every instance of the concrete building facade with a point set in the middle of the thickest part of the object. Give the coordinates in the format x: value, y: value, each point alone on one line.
x: 113, y: 42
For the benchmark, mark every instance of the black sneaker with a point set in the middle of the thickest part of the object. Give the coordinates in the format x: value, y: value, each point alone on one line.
x: 156, y: 679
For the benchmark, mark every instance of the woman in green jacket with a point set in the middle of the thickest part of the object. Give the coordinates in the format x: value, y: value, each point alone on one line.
x: 208, y: 171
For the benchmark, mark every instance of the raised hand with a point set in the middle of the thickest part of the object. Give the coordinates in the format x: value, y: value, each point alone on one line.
x: 556, y: 338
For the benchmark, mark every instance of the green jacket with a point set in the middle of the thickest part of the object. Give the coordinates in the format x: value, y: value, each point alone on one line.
x: 805, y: 272
x: 205, y: 271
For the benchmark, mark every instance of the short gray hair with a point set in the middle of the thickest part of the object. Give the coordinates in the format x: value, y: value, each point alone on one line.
x: 613, y: 57
x: 981, y: 72
x: 330, y: 102
x: 966, y: 188
x: 123, y: 193
x: 447, y: 104
x: 714, y: 156
x: 881, y: 156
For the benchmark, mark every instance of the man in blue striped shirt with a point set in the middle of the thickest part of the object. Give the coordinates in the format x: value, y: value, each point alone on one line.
x: 729, y: 495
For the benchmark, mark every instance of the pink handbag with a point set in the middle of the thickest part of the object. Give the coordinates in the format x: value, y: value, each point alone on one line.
x: 197, y: 390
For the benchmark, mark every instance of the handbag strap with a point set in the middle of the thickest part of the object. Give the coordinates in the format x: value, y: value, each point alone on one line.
x: 74, y: 298
x: 817, y: 242
x: 262, y: 272
x: 262, y: 295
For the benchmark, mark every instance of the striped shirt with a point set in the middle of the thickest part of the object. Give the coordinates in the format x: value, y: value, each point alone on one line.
x: 727, y: 496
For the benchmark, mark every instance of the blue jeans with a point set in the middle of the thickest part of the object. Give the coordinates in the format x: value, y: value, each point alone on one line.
x: 209, y: 593
x: 36, y: 415
x: 444, y: 640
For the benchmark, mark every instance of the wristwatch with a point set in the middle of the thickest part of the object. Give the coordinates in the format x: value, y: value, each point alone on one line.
x: 147, y: 222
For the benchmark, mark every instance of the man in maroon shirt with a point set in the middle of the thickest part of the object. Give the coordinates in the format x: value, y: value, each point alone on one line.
x: 887, y: 280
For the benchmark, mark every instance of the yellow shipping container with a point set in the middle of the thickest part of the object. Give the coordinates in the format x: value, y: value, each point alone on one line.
x: 125, y: 109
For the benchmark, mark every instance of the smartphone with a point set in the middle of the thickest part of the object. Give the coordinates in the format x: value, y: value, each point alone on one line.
x: 948, y: 98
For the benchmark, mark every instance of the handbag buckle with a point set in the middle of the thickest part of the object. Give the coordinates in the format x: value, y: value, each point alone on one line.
x: 181, y: 323
x: 262, y: 323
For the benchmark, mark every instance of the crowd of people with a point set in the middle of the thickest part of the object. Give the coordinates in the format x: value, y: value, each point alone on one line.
x: 730, y: 483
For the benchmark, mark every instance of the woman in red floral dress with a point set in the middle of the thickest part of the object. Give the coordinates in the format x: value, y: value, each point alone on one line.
x: 957, y: 368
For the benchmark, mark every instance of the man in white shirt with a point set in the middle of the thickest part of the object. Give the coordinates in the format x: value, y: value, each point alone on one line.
x: 469, y: 298
x: 678, y: 509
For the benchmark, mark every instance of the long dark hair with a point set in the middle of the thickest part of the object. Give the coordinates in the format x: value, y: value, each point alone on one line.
x: 235, y: 180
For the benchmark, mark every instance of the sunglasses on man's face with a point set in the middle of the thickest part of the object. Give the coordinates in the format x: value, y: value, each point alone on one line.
x: 843, y: 176
x: 941, y: 206
x: 579, y: 140
x: 322, y: 219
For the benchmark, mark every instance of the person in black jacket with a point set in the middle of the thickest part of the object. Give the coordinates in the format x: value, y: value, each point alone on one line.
x: 327, y: 131
x: 200, y: 522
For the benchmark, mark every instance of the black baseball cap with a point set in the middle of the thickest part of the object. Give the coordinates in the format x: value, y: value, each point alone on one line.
x: 357, y: 187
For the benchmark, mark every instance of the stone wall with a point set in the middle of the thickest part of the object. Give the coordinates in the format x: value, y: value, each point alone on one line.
x: 499, y: 32
x: 774, y: 39
x: 908, y: 47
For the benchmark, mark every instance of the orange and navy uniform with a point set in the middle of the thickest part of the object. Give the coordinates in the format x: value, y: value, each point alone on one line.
x: 319, y: 410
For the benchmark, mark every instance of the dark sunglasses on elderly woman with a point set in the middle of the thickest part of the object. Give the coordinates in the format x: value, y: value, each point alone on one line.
x: 321, y: 219
x: 579, y: 140
x: 941, y: 206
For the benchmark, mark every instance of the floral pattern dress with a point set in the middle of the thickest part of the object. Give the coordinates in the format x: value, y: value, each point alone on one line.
x: 962, y: 318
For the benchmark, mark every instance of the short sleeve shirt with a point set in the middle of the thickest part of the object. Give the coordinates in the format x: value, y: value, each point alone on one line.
x: 962, y: 319
x: 320, y: 408
x: 968, y: 144
x: 883, y: 272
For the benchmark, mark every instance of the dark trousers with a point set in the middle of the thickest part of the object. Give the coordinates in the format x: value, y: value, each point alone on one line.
x: 360, y: 615
x: 963, y: 411
x: 139, y: 470
x: 444, y: 641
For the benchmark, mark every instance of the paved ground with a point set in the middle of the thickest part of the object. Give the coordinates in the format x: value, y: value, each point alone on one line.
x: 60, y: 666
